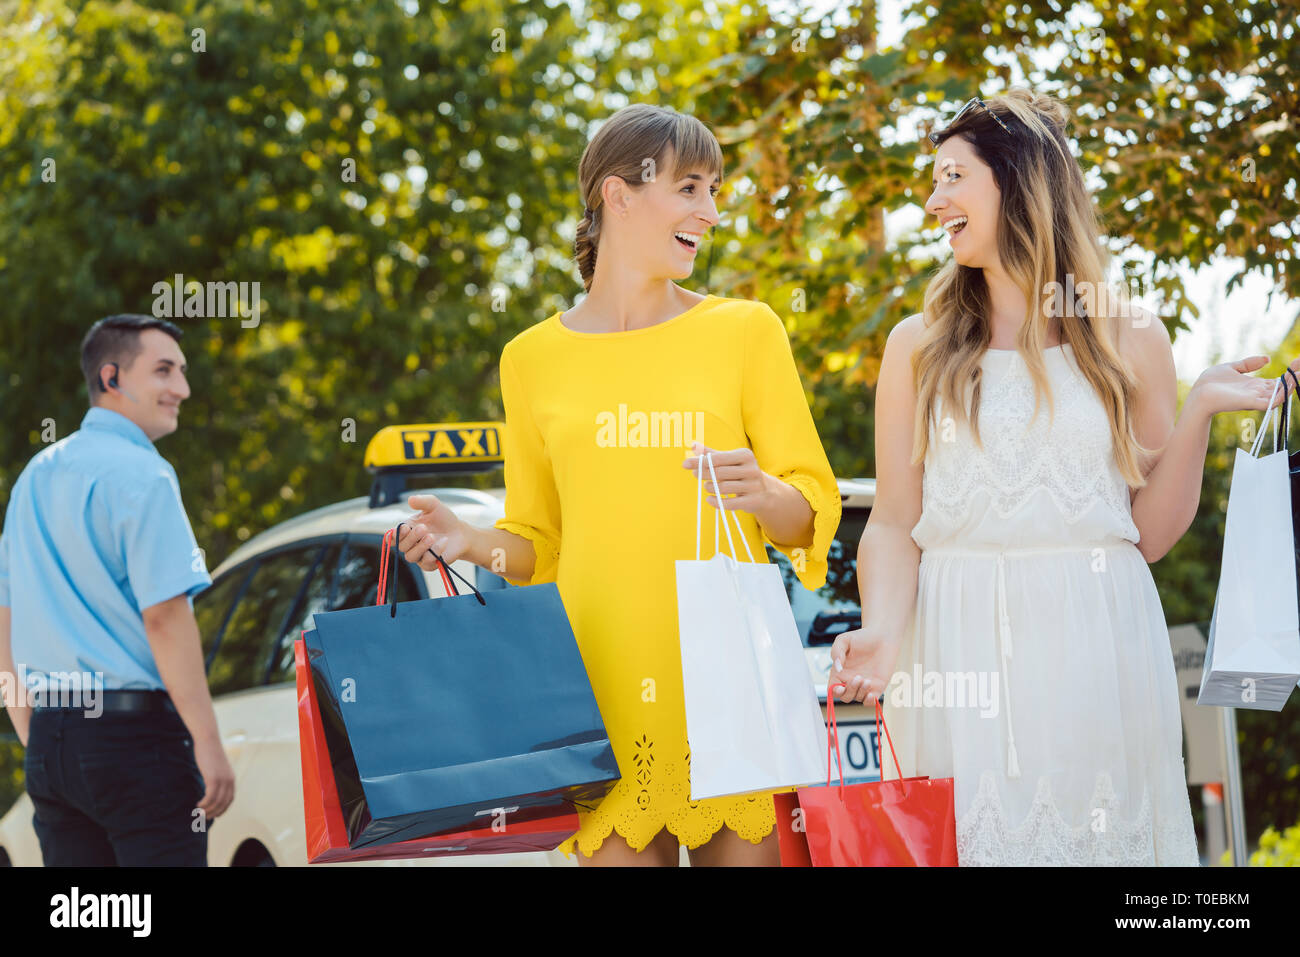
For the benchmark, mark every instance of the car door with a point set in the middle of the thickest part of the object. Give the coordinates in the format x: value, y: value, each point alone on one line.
x: 345, y: 575
x: 213, y: 605
x: 255, y: 624
x: 258, y: 721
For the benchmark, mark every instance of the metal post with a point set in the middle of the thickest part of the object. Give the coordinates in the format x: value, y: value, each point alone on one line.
x: 1233, y: 799
x: 1216, y: 827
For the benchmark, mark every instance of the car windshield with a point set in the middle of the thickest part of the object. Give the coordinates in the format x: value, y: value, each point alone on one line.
x: 823, y: 614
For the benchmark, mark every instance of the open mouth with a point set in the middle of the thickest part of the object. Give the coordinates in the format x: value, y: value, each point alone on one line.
x: 689, y: 240
x: 955, y: 225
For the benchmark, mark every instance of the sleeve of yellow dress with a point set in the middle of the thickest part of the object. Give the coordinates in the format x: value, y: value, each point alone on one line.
x: 785, y: 441
x: 532, y: 502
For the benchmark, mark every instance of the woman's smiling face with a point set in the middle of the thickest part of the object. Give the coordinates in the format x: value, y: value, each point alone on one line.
x: 964, y: 189
x: 672, y: 203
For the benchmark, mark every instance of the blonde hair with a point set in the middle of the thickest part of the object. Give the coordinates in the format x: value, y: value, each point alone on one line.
x: 621, y: 147
x: 1048, y: 233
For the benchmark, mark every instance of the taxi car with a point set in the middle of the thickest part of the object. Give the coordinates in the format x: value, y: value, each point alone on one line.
x: 265, y: 593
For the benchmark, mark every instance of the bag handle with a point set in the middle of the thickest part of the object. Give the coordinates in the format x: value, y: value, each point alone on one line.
x: 833, y: 731
x: 699, y: 506
x: 390, y: 538
x: 390, y: 542
x: 1282, y: 418
x: 1283, y: 421
x: 1286, y: 406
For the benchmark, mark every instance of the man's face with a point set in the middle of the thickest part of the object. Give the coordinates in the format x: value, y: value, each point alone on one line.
x: 150, y: 390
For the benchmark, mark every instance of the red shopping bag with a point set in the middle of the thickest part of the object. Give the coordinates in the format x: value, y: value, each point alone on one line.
x: 909, y: 822
x: 327, y: 838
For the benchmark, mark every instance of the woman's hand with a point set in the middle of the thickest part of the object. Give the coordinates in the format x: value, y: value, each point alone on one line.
x: 1229, y: 387
x: 780, y: 508
x: 864, y: 663
x: 738, y: 474
x: 436, y: 527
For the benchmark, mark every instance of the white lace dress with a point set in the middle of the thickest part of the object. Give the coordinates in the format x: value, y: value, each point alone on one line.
x: 1032, y: 589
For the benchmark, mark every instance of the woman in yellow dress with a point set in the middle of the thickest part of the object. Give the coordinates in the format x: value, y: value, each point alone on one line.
x: 607, y: 406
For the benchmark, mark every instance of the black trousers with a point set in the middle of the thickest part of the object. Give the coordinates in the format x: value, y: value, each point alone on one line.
x: 116, y: 789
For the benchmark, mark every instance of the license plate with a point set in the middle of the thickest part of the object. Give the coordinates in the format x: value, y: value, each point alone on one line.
x: 859, y: 752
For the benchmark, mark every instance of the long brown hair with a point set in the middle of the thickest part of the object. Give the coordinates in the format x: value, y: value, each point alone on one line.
x: 1048, y: 233
x: 624, y: 146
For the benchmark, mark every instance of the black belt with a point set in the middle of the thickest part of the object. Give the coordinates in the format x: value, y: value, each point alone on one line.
x: 122, y: 701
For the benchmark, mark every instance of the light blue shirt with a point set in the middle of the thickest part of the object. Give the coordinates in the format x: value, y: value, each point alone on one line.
x: 95, y: 532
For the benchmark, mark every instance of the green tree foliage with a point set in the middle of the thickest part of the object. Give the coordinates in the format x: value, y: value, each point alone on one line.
x: 1184, y: 124
x: 387, y: 295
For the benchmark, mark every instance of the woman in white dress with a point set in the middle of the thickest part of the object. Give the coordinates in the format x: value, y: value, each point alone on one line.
x: 1005, y: 563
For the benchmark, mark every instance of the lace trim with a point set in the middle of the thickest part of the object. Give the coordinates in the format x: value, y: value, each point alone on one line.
x: 1044, y: 838
x: 826, y: 519
x: 1070, y: 455
x: 655, y: 795
x: 546, y: 554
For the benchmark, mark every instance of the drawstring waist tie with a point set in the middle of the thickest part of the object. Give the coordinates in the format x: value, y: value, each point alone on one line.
x: 1004, y: 618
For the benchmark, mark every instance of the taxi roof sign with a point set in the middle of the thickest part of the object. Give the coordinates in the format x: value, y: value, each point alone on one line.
x: 430, y: 449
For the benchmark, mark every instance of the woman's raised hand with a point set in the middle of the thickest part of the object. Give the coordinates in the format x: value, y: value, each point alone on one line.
x: 434, y: 526
x: 1230, y: 387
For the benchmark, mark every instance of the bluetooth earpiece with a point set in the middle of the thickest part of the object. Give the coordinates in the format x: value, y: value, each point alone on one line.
x: 112, y: 383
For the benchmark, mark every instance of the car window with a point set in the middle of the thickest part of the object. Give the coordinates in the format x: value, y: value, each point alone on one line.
x: 213, y: 603
x: 823, y: 614
x: 258, y: 619
x: 318, y: 595
x: 358, y: 577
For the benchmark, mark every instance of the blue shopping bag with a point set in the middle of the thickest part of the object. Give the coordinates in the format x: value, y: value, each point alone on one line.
x: 447, y: 713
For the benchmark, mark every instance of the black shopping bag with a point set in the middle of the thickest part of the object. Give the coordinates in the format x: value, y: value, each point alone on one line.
x: 442, y: 713
x: 1293, y: 464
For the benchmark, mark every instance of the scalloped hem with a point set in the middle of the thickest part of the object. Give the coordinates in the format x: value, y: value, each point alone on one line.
x: 568, y: 847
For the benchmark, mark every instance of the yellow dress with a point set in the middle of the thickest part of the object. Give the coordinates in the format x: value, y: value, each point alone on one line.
x: 597, y: 426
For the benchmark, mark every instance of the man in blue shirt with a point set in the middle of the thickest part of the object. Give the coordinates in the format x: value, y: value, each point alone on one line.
x: 100, y: 662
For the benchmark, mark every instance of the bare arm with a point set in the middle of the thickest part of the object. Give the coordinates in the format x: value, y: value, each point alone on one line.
x: 19, y: 713
x: 1164, y: 508
x: 888, y: 558
x: 174, y: 638
x: 501, y: 552
x: 784, y: 513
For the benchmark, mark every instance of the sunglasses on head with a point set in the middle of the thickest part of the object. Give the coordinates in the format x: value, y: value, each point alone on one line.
x: 973, y: 102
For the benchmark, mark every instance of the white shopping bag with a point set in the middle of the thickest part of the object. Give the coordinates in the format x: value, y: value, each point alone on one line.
x: 753, y: 721
x: 1253, y: 656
